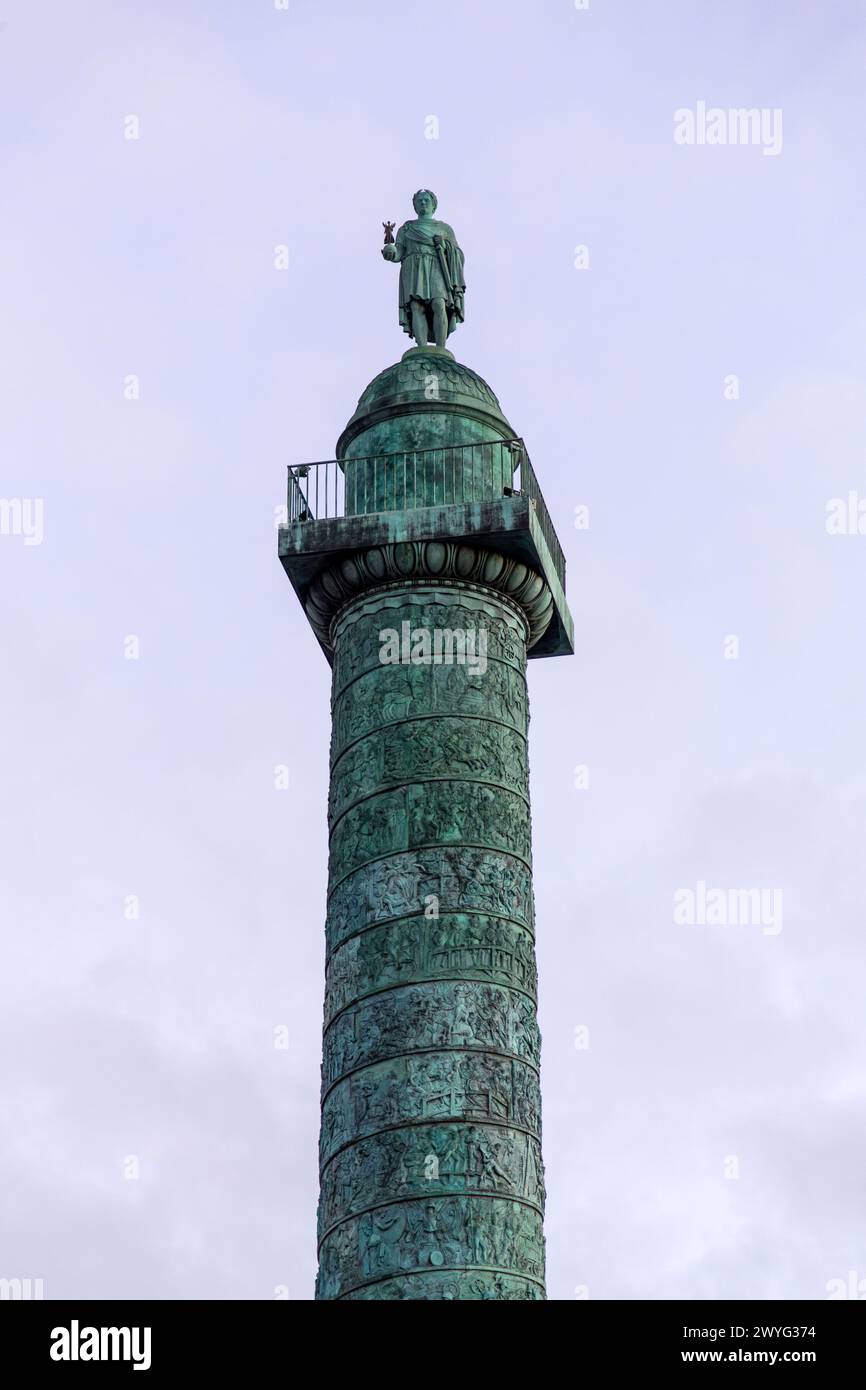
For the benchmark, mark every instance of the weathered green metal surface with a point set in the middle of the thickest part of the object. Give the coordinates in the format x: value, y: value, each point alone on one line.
x: 430, y: 1149
x: 424, y: 401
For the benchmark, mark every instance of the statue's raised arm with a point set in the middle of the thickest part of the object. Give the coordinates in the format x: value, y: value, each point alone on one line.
x: 431, y: 274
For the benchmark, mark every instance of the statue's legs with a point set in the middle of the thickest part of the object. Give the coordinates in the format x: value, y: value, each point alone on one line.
x: 420, y: 326
x: 440, y: 323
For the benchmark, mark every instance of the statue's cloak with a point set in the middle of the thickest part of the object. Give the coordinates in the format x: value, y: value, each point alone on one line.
x: 421, y: 274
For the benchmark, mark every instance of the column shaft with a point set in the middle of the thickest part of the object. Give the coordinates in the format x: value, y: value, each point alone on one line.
x: 431, y: 1174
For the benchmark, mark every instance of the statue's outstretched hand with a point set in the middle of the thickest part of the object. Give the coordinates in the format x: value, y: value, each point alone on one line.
x: 389, y: 252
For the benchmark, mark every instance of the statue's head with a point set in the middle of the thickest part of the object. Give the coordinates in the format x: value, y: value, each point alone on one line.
x: 425, y: 201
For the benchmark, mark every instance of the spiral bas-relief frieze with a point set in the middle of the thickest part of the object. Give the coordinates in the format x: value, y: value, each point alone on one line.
x: 431, y: 1173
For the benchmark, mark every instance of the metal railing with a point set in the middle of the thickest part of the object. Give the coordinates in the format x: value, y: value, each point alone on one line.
x: 450, y: 475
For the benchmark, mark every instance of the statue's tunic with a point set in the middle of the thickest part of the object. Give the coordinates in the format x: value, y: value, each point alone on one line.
x: 421, y: 276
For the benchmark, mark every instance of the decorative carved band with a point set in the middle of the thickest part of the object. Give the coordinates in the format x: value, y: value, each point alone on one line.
x: 462, y: 1286
x: 481, y: 1237
x: 420, y: 562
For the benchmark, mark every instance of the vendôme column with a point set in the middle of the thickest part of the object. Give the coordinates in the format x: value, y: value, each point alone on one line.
x: 428, y: 576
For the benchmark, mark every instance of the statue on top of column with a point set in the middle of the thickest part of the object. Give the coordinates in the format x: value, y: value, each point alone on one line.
x: 431, y: 274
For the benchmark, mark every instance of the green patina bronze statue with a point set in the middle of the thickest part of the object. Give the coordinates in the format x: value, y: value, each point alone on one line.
x: 431, y: 274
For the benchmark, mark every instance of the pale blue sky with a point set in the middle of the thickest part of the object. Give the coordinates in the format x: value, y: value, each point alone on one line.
x: 155, y: 777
